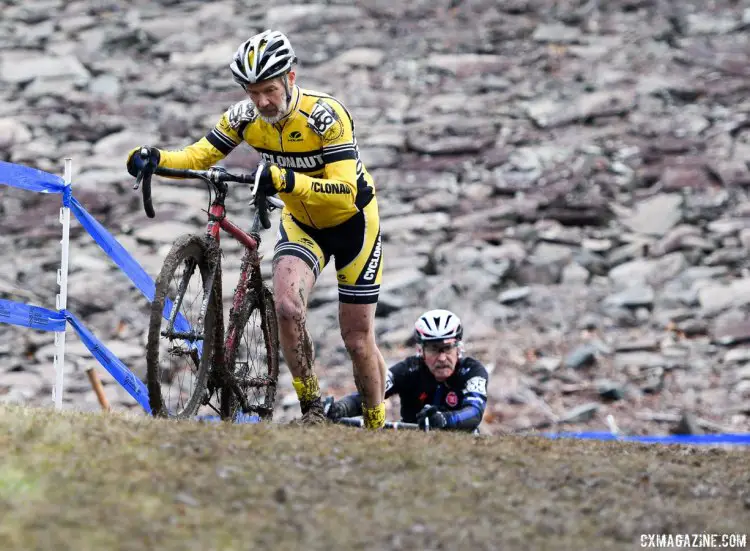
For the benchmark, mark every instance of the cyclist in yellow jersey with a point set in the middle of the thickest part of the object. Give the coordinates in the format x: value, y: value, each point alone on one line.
x: 307, y: 140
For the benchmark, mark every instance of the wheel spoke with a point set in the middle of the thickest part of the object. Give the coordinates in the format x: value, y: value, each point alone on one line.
x: 254, y: 359
x: 180, y: 337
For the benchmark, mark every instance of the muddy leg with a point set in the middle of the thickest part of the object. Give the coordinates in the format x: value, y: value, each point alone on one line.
x: 357, y: 330
x: 292, y: 282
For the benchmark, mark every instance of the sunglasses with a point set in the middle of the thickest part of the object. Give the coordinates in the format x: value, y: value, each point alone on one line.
x: 438, y: 348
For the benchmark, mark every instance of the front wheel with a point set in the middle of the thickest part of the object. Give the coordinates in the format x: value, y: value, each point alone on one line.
x: 181, y: 332
x: 252, y: 354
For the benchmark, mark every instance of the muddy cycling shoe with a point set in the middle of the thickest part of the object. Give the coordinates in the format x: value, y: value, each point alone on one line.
x: 312, y: 414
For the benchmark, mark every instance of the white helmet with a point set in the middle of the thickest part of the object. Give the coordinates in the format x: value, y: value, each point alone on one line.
x: 262, y: 57
x: 438, y: 325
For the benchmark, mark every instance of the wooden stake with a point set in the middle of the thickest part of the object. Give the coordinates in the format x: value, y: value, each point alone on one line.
x: 96, y: 384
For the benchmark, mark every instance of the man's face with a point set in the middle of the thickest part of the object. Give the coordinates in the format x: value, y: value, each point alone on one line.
x: 269, y: 98
x: 441, y: 358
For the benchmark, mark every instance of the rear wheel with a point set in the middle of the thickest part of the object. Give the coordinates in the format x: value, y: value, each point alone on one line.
x: 253, y: 356
x: 180, y: 350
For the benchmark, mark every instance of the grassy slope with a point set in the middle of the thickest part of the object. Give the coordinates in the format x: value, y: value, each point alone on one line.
x: 91, y: 481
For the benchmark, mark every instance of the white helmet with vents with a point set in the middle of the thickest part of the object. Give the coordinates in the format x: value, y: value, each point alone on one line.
x: 437, y: 326
x: 262, y: 57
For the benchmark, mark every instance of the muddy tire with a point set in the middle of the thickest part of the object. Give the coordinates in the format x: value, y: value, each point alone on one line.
x: 187, y: 349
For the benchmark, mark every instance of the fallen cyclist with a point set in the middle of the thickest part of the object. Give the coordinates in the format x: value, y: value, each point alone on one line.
x: 438, y: 386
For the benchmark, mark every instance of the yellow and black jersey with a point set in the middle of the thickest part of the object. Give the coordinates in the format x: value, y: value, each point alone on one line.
x: 316, y: 140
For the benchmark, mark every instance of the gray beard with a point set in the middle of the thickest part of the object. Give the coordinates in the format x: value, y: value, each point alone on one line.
x: 283, y: 112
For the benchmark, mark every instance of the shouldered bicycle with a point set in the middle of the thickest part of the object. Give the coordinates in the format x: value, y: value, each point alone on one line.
x: 192, y: 362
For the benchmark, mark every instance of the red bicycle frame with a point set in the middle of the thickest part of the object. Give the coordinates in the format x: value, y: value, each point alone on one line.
x: 217, y: 221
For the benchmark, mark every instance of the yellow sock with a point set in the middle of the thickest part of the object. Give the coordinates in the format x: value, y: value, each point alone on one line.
x: 307, y: 389
x: 374, y: 418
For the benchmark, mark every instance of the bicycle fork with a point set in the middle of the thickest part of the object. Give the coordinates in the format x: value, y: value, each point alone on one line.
x: 190, y: 265
x: 193, y: 334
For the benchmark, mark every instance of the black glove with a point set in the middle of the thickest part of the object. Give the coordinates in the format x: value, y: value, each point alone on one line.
x: 143, y: 157
x: 433, y: 416
x: 273, y: 179
x: 334, y: 410
x: 265, y: 182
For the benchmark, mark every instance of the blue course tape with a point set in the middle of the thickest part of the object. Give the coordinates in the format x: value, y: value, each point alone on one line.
x: 742, y: 439
x: 111, y: 363
x: 126, y: 263
x: 241, y: 418
x: 31, y: 179
x: 33, y: 317
x: 114, y: 250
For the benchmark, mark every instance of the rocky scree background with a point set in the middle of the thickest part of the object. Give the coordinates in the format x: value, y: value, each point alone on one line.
x: 569, y: 177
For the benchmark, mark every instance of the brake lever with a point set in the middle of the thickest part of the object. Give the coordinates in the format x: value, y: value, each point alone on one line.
x: 261, y: 203
x: 143, y: 153
x: 215, y: 174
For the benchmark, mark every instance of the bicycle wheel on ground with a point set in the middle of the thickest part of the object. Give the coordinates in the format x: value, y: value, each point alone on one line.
x: 181, y: 332
x: 253, y: 356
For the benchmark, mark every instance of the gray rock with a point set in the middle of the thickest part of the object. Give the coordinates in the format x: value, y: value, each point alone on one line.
x: 634, y: 271
x: 464, y: 65
x: 610, y: 390
x: 745, y: 238
x: 693, y: 328
x: 309, y: 16
x: 514, y: 295
x: 636, y: 249
x: 680, y: 237
x: 632, y: 297
x: 550, y: 113
x: 716, y: 297
x: 687, y: 425
x: 726, y: 257
x: 12, y: 133
x: 645, y: 343
x: 498, y: 313
x: 597, y: 245
x: 162, y: 232
x: 738, y: 355
x: 402, y: 280
x: 640, y: 360
x: 580, y: 414
x: 210, y: 56
x: 575, y: 274
x: 557, y: 33
x: 546, y: 253
x: 718, y: 24
x: 113, y: 148
x: 361, y: 57
x: 655, y: 216
x: 20, y: 66
x: 583, y: 356
x: 592, y: 262
x: 105, y: 85
x: 545, y: 366
x: 697, y: 273
x: 383, y: 157
x: 727, y: 227
x: 651, y: 271
x: 420, y: 223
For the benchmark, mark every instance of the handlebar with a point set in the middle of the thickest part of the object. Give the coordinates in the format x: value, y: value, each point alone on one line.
x: 395, y: 425
x: 216, y: 176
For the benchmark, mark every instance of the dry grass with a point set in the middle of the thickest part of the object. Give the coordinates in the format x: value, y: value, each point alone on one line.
x: 92, y: 481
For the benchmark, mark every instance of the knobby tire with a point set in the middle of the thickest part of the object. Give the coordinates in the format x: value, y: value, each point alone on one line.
x: 264, y: 305
x: 186, y: 247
